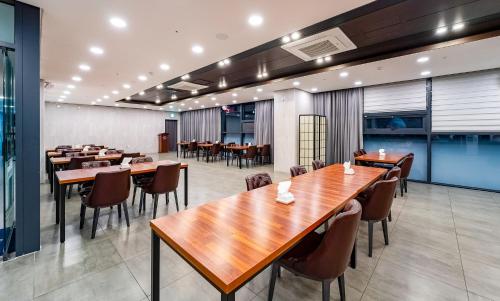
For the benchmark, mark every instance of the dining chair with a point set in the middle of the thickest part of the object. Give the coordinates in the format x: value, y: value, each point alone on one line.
x: 87, y: 186
x: 214, y: 151
x: 129, y: 155
x: 318, y: 164
x: 394, y: 172
x: 76, y: 163
x: 323, y: 257
x: 250, y: 155
x: 264, y: 154
x: 258, y: 180
x: 376, y: 208
x: 140, y: 180
x: 357, y: 154
x: 114, y: 151
x: 192, y: 148
x: 110, y: 188
x: 405, y: 166
x: 61, y: 147
x: 165, y: 180
x: 297, y: 170
x: 73, y: 154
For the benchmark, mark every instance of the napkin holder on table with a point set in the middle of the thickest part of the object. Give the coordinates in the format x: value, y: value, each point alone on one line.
x: 284, y: 196
x: 347, y: 168
x: 102, y: 152
x: 125, y: 162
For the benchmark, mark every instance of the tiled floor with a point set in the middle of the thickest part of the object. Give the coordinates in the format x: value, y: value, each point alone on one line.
x: 444, y: 245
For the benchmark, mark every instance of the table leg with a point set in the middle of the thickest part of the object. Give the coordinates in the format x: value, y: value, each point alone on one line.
x: 51, y: 177
x: 62, y: 205
x: 206, y: 152
x: 198, y: 154
x: 227, y: 159
x: 227, y: 297
x: 155, y: 267
x: 239, y: 160
x: 56, y: 197
x: 186, y: 187
x: 177, y: 149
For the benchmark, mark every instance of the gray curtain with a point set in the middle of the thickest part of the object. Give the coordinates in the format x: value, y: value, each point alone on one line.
x: 344, y: 114
x: 201, y: 125
x: 264, y: 123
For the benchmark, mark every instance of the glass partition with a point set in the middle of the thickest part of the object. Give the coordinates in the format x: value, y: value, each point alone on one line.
x: 6, y: 23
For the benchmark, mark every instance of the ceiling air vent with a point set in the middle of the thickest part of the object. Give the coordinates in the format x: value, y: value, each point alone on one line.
x: 187, y: 86
x: 322, y: 44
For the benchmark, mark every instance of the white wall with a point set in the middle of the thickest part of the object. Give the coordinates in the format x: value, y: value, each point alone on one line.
x: 288, y: 105
x: 122, y: 128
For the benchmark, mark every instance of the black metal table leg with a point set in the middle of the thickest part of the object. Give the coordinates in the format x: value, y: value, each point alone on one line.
x: 62, y: 209
x: 155, y: 267
x: 239, y: 160
x: 177, y: 149
x: 227, y: 159
x: 51, y: 177
x: 198, y: 154
x: 186, y: 187
x: 56, y: 197
x: 227, y: 297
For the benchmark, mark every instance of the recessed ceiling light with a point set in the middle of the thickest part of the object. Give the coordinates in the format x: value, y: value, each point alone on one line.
x: 344, y: 74
x: 202, y: 106
x: 170, y: 107
x: 216, y: 103
x: 194, y: 92
x: 255, y: 20
x: 197, y: 49
x: 295, y: 35
x: 96, y: 50
x: 117, y: 104
x: 70, y: 86
x: 185, y: 77
x: 224, y: 63
x: 114, y: 92
x: 141, y: 93
x: 92, y: 103
x: 190, y: 108
x: 458, y: 26
x: 63, y: 96
x: 319, y: 60
x: 84, y: 67
x: 423, y: 59
x: 328, y: 58
x: 126, y: 86
x: 76, y: 78
x: 160, y: 86
x: 196, y: 101
x: 425, y: 73
x: 264, y: 74
x: 164, y: 67
x: 179, y: 110
x: 234, y: 101
x: 105, y: 97
x: 441, y: 30
x: 66, y: 92
x: 60, y: 100
x: 128, y: 98
x: 259, y: 90
x: 213, y: 98
x: 182, y: 104
x: 161, y: 109
x: 314, y: 89
x: 157, y: 101
x: 99, y: 100
x: 144, y: 107
x: 255, y: 98
x: 118, y: 22
x: 235, y: 94
x: 173, y: 97
x: 227, y: 61
x: 58, y: 106
x: 285, y: 39
x: 142, y: 78
x: 358, y: 83
x: 296, y: 83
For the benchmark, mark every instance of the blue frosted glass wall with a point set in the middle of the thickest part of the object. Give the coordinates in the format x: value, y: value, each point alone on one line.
x: 466, y: 160
x: 416, y: 144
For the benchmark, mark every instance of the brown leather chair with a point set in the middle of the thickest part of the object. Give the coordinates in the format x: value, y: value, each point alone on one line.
x: 357, y: 154
x: 297, y: 170
x: 214, y: 151
x: 165, y: 180
x: 129, y: 155
x: 318, y: 164
x: 73, y: 154
x: 250, y: 155
x: 258, y: 180
x: 192, y: 148
x: 61, y: 147
x: 114, y: 151
x: 140, y: 180
x: 94, y: 148
x: 265, y: 154
x: 376, y: 207
x: 76, y: 163
x: 362, y: 151
x: 87, y: 186
x: 323, y: 257
x: 110, y: 188
x: 405, y: 166
x: 394, y: 172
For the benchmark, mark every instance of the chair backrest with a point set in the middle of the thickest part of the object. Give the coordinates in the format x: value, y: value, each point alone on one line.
x: 141, y: 160
x: 76, y: 162
x: 193, y: 145
x: 258, y: 180
x: 73, y: 154
x: 394, y: 172
x: 96, y: 164
x: 94, y: 148
x: 61, y: 147
x: 166, y: 178
x: 208, y: 142
x: 297, y: 170
x: 379, y: 200
x: 318, y: 164
x: 251, y: 151
x: 331, y: 258
x: 114, y: 151
x: 362, y: 151
x: 129, y: 155
x: 266, y: 150
x: 215, y: 149
x: 357, y: 153
x: 405, y: 166
x: 110, y: 188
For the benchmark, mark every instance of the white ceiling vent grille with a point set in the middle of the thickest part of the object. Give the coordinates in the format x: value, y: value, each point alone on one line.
x: 187, y: 86
x: 322, y: 44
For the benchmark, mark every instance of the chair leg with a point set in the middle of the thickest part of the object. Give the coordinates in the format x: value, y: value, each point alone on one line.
x: 370, y: 238
x: 133, y: 196
x: 326, y: 289
x: 353, y: 254
x: 155, y: 198
x: 390, y: 216
x: 167, y: 200
x: 176, y: 200
x: 406, y: 185
x: 386, y: 233
x: 125, y: 210
x: 94, y: 222
x: 401, y: 186
x: 82, y: 215
x: 141, y: 199
x: 119, y: 211
x: 274, y: 272
x: 144, y: 201
x: 70, y: 189
x: 341, y: 287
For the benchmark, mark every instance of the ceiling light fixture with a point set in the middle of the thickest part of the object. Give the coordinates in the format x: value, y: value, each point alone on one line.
x: 141, y: 93
x: 423, y: 59
x: 160, y: 86
x: 194, y: 92
x: 458, y: 26
x: 197, y: 49
x: 128, y: 98
x: 196, y: 101
x: 157, y: 101
x: 126, y: 86
x: 98, y: 100
x: 296, y: 83
x: 213, y: 98
x: 328, y: 58
x: 60, y: 100
x: 117, y: 104
x: 202, y: 106
x: 255, y: 98
x: 224, y: 63
x: 84, y: 67
x: 216, y: 103
x: 144, y: 107
x: 358, y: 83
x: 70, y: 86
x: 234, y: 101
x: 425, y: 73
x: 344, y: 74
x: 259, y: 90
x: 170, y: 107
x: 76, y: 78
x: 314, y: 89
x: 118, y: 22
x: 93, y: 103
x: 182, y: 104
x: 114, y: 92
x: 190, y: 108
x: 142, y: 78
x: 441, y: 30
x: 63, y: 96
x: 235, y: 94
x: 164, y: 67
x: 96, y: 50
x: 285, y: 39
x: 105, y: 97
x: 255, y: 20
x: 295, y: 36
x: 185, y: 77
x: 173, y: 97
x: 319, y: 60
x: 66, y: 92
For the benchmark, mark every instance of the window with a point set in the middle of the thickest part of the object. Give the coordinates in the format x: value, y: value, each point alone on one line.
x: 396, y: 123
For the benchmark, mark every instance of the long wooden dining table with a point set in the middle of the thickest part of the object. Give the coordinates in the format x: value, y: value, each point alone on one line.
x: 78, y: 176
x: 230, y: 240
x: 387, y: 158
x: 239, y: 148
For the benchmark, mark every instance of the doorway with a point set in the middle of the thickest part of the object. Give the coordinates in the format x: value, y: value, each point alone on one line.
x: 171, y: 130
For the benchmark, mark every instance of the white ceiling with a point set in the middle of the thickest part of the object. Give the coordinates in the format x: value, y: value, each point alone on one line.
x: 158, y: 32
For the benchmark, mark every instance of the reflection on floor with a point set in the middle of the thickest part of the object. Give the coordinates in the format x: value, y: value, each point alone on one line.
x: 444, y: 244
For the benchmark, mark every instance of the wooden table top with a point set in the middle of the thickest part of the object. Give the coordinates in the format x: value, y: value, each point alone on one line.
x: 183, y: 143
x: 66, y: 160
x: 389, y: 158
x: 84, y: 175
x: 231, y: 239
x: 87, y: 153
x: 242, y: 147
